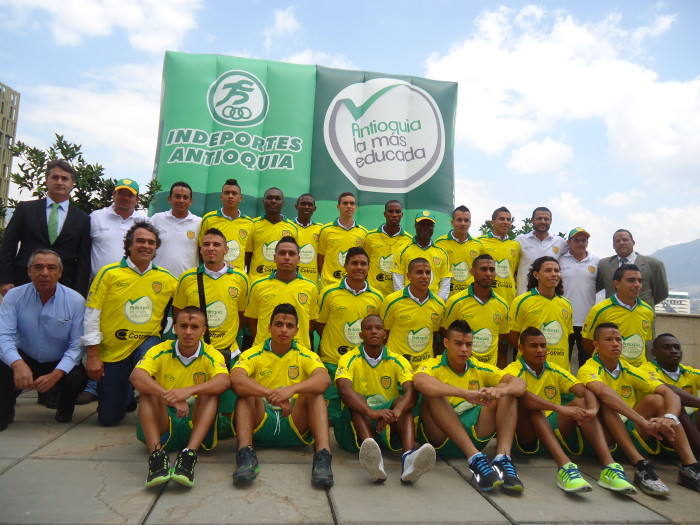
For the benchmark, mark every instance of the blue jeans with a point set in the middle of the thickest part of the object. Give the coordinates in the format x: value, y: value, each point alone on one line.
x: 114, y: 391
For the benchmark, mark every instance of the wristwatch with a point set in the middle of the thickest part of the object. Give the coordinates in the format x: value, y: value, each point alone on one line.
x: 673, y: 418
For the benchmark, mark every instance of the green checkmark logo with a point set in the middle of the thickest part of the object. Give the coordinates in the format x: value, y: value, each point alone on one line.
x: 358, y: 111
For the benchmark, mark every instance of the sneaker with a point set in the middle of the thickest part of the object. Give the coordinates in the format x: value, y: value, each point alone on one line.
x: 247, y: 468
x: 183, y: 472
x: 646, y: 479
x: 416, y: 463
x: 506, y: 471
x: 486, y: 477
x: 689, y: 476
x: 321, y: 474
x: 158, y: 468
x: 569, y: 479
x: 371, y: 460
x: 612, y: 477
x: 85, y: 398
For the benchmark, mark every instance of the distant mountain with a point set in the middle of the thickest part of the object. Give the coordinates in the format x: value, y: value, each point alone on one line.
x: 682, y: 263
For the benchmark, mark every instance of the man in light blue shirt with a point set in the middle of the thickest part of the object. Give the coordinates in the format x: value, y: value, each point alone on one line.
x: 40, y: 328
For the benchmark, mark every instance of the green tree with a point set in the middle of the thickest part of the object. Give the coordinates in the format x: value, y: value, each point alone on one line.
x: 513, y: 232
x: 92, y: 189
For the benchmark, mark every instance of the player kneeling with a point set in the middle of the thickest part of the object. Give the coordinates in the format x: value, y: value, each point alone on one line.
x: 637, y: 412
x: 542, y: 409
x: 374, y: 414
x: 464, y: 404
x: 280, y: 386
x: 167, y: 376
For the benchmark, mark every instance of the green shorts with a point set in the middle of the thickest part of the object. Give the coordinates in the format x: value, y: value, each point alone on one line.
x: 346, y: 436
x: 179, y: 432
x: 331, y: 394
x: 650, y: 445
x: 572, y: 444
x: 469, y: 419
x: 277, y: 431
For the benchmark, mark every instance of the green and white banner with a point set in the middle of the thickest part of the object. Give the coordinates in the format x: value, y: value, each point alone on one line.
x: 305, y: 129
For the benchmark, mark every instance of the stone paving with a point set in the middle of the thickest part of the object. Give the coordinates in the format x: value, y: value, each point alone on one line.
x: 83, y: 473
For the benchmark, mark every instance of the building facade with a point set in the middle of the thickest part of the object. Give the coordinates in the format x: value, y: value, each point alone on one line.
x: 9, y: 110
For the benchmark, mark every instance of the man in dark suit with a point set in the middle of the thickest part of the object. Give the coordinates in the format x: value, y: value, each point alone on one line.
x: 654, y: 282
x: 51, y: 223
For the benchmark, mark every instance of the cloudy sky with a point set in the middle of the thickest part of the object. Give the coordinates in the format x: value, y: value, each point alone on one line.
x: 591, y: 108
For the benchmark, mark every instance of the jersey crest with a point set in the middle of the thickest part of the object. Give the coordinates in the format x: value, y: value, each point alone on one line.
x: 157, y: 286
x: 385, y: 382
x: 550, y: 392
x: 626, y: 391
x: 293, y: 372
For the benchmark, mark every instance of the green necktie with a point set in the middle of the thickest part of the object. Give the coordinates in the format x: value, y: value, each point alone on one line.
x: 53, y: 222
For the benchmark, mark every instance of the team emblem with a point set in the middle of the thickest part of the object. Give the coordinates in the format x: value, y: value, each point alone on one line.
x: 286, y: 233
x: 591, y: 269
x: 303, y: 298
x: 199, y: 378
x: 385, y: 382
x: 293, y: 372
x: 157, y: 286
x: 360, y: 242
x: 645, y: 325
x: 435, y: 318
x: 316, y: 237
x: 626, y: 391
x: 473, y: 254
x: 233, y: 292
x: 688, y: 389
x: 190, y: 234
x: 127, y: 181
x: 497, y: 318
x: 436, y: 261
x: 512, y: 253
x: 550, y: 392
x: 555, y: 249
x: 370, y: 309
x: 565, y: 313
x: 473, y: 384
x: 243, y: 233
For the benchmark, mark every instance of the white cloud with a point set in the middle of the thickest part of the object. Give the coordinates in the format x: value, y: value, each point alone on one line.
x: 547, y: 156
x: 286, y: 24
x: 620, y: 199
x: 523, y: 72
x: 151, y: 25
x: 664, y: 227
x: 309, y: 56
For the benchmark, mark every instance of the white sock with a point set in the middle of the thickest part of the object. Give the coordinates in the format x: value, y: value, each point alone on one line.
x: 472, y: 458
x: 499, y: 457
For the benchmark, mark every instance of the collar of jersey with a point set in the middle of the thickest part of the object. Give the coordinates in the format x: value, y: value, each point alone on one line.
x: 337, y: 223
x: 381, y: 357
x: 596, y: 358
x: 273, y: 275
x: 528, y: 369
x: 681, y: 369
x: 534, y: 291
x: 344, y: 287
x: 200, y: 349
x: 490, y: 234
x: 450, y: 235
x: 268, y: 342
x: 470, y: 293
x: 397, y: 234
x: 444, y: 361
x: 431, y: 245
x: 613, y: 300
x: 263, y: 218
x: 312, y: 223
x: 408, y: 295
x: 241, y: 215
x: 124, y: 264
x: 201, y: 269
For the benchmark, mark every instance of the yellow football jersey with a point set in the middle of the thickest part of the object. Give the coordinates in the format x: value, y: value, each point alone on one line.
x: 436, y: 256
x: 688, y: 377
x: 163, y: 364
x: 308, y: 237
x: 378, y: 384
x: 238, y: 233
x: 632, y: 385
x: 262, y: 245
x: 462, y: 255
x: 334, y: 243
x: 554, y: 317
x: 268, y: 292
x: 488, y: 321
x: 411, y: 325
x: 476, y: 376
x: 381, y: 249
x: 636, y: 326
x: 132, y: 306
x: 551, y: 383
x: 225, y: 297
x: 273, y: 371
x: 507, y: 256
x: 342, y: 312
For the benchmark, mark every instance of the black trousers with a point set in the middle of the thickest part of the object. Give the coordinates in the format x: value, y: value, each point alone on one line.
x: 576, y: 340
x: 69, y: 387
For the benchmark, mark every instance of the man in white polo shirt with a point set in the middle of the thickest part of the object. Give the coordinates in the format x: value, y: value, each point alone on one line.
x: 579, y: 270
x: 536, y: 244
x: 178, y: 229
